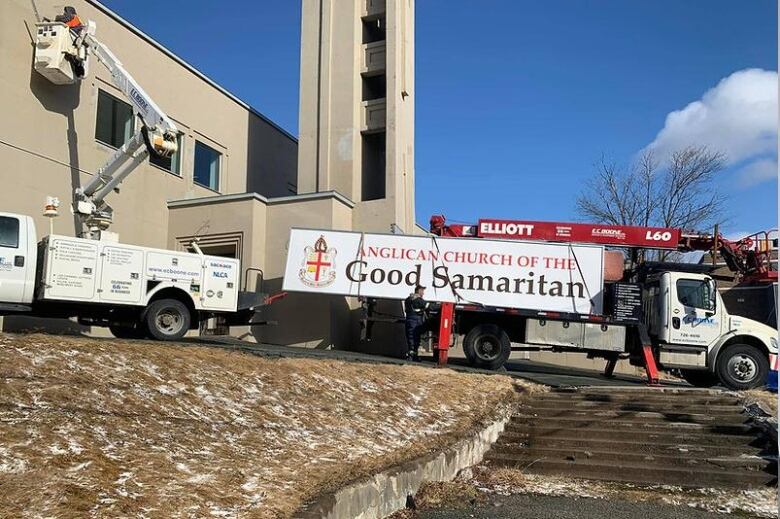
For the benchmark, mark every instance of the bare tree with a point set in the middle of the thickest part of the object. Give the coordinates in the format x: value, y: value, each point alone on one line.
x: 682, y: 193
x: 679, y: 193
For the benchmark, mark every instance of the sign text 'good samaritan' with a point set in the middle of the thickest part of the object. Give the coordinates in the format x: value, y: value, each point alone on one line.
x: 531, y: 275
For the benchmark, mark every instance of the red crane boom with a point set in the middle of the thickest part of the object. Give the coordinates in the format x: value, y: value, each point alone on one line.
x: 749, y: 257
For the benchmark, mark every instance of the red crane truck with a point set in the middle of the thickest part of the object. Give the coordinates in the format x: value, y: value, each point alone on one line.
x: 658, y: 315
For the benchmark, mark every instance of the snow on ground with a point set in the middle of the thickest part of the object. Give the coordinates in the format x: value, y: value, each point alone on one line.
x: 125, y: 428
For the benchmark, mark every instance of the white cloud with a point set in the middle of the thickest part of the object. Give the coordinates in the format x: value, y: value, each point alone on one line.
x: 737, y: 117
x: 758, y: 171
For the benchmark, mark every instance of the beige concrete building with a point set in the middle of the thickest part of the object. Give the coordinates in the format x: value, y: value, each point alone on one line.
x: 235, y: 182
x: 55, y: 137
x: 357, y: 108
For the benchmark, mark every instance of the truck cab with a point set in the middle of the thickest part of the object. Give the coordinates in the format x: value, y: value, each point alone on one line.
x: 18, y: 251
x: 695, y: 333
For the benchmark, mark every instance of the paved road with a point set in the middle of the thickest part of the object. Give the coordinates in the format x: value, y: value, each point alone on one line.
x: 555, y: 376
x: 527, y: 506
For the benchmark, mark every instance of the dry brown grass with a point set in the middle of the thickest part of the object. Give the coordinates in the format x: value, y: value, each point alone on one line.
x: 506, y: 477
x: 127, y: 428
x: 448, y: 494
x: 443, y: 494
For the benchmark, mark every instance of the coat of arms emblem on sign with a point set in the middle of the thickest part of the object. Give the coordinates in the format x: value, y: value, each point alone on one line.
x: 318, y: 268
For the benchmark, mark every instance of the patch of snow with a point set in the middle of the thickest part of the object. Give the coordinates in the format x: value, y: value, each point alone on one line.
x: 54, y: 449
x: 199, y: 479
x: 123, y: 478
x: 167, y: 390
x: 13, y: 466
x: 181, y: 467
x: 80, y: 466
x: 74, y: 447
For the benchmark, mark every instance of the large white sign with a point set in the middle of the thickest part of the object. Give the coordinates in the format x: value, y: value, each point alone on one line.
x: 529, y: 275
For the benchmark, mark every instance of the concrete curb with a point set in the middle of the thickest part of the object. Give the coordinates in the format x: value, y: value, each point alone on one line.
x: 387, y: 491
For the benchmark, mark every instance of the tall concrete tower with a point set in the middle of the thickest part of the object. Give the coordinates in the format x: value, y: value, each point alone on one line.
x: 357, y: 108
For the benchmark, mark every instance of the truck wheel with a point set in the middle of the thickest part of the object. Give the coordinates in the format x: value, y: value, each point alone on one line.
x: 127, y: 332
x: 699, y: 377
x: 167, y: 319
x: 741, y: 366
x: 487, y: 346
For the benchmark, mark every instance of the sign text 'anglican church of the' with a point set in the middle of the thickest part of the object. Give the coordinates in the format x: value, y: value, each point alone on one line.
x: 532, y: 275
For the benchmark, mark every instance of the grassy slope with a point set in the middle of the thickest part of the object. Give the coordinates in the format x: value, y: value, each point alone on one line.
x: 117, y: 428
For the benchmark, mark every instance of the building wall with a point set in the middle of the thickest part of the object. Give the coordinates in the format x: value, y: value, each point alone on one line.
x: 336, y: 115
x: 272, y: 159
x: 48, y: 132
x: 263, y: 227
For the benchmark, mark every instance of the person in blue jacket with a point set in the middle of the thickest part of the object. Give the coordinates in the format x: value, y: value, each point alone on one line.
x: 415, y: 308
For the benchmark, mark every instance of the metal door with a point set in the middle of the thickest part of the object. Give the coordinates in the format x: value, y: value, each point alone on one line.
x: 694, y: 318
x: 14, y: 260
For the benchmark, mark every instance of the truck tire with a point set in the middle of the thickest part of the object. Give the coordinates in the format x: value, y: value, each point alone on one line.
x: 487, y: 346
x: 127, y: 332
x: 741, y: 366
x: 167, y: 319
x: 699, y: 377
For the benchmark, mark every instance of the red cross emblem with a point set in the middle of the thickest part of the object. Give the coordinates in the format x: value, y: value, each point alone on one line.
x: 318, y: 267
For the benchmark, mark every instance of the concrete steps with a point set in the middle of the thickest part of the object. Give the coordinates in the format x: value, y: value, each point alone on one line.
x: 675, y: 448
x: 684, y: 437
x: 626, y: 396
x: 658, y: 415
x: 625, y: 424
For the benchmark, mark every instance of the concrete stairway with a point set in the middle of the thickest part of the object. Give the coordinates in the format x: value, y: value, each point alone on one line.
x: 670, y: 436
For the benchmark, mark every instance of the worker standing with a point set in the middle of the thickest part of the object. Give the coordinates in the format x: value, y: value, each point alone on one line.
x: 72, y: 20
x: 414, y: 308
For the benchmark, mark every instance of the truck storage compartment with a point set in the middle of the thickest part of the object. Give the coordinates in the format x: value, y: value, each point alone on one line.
x: 81, y: 270
x: 682, y: 356
x: 556, y: 333
x: 590, y: 336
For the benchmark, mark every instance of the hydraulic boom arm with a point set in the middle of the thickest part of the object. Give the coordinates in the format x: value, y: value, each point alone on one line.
x: 157, y: 135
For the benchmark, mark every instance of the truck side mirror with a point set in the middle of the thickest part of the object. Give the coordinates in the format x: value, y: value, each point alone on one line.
x: 712, y: 296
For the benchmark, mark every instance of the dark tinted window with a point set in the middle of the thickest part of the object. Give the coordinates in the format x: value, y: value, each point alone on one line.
x: 9, y: 232
x: 694, y: 292
x: 114, y: 125
x: 206, y: 168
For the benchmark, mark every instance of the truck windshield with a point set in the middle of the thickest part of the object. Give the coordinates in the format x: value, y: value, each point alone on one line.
x: 9, y: 232
x: 695, y: 293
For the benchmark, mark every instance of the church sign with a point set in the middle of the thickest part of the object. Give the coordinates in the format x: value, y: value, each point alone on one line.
x: 502, y: 273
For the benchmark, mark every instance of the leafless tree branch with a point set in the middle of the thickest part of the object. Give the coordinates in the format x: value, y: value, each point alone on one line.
x: 678, y: 193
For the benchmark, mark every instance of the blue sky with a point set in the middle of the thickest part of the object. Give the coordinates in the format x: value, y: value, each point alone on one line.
x: 516, y: 100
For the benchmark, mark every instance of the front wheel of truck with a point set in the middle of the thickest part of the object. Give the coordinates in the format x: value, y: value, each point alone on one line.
x: 741, y: 366
x: 487, y: 346
x: 167, y: 319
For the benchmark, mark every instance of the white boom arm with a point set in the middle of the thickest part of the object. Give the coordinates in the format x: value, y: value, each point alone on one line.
x: 158, y: 133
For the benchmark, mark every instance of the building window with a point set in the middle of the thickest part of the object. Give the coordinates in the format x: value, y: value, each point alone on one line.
x: 114, y: 124
x: 206, y: 170
x: 373, y: 166
x: 9, y: 232
x: 171, y: 163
